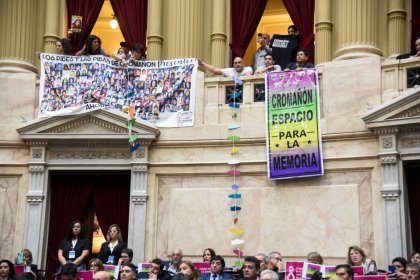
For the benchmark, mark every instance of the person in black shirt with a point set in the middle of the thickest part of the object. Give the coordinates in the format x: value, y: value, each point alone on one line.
x: 301, y: 62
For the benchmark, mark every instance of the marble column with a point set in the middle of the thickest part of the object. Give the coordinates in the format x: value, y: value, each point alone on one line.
x: 357, y: 25
x: 396, y: 27
x: 154, y: 26
x: 35, y: 231
x: 137, y: 216
x: 185, y: 24
x: 323, y: 27
x: 395, y: 238
x: 52, y: 20
x: 218, y: 34
x: 18, y: 21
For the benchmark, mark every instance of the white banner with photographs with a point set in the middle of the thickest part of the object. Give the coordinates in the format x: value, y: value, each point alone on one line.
x: 162, y: 92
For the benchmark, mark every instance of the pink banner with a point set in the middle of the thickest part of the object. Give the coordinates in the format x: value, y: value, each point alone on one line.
x: 204, y: 267
x: 294, y: 270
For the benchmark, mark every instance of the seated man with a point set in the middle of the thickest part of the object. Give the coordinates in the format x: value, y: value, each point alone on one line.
x: 69, y: 271
x: 128, y: 272
x: 413, y: 271
x: 344, y: 271
x: 269, y: 65
x: 101, y: 275
x: 301, y: 62
x: 238, y: 68
x: 269, y: 275
x: 157, y: 272
x: 251, y: 268
x: 176, y: 261
x: 263, y: 260
x: 216, y: 270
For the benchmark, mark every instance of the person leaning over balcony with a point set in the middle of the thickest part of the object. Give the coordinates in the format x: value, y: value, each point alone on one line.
x: 238, y: 68
x: 92, y: 47
x: 301, y: 61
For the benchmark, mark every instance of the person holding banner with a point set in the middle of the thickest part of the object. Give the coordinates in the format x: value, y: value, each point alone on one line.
x: 238, y: 69
x: 301, y: 62
x: 111, y: 249
x: 92, y: 47
x: 357, y: 257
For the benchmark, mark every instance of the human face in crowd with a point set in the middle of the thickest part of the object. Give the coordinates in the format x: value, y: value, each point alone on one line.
x: 355, y: 257
x: 127, y: 273
x: 101, y: 275
x: 121, y: 51
x: 416, y: 258
x: 250, y: 271
x: 206, y: 256
x: 263, y: 265
x: 238, y: 64
x: 412, y: 273
x: 267, y: 276
x: 4, y: 269
x: 154, y: 268
x: 185, y: 269
x: 301, y: 57
x: 113, y: 233
x: 291, y: 31
x: 268, y: 60
x: 93, y: 266
x: 342, y: 273
x: 216, y: 267
x: 264, y: 40
x: 95, y: 45
x: 77, y: 228
x: 26, y: 258
x: 125, y: 258
x: 59, y: 48
x: 273, y: 261
x: 136, y: 55
x: 417, y: 43
x: 398, y: 266
x: 176, y: 256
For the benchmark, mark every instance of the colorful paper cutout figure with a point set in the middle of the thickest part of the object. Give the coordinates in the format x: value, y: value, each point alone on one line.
x: 233, y: 126
x: 233, y: 138
x: 235, y: 195
x: 235, y: 187
x: 236, y: 231
x: 131, y: 121
x: 235, y: 220
x: 235, y: 208
x: 234, y: 94
x: 239, y: 264
x: 134, y: 148
x: 234, y: 172
x: 237, y: 242
x: 237, y: 80
x: 133, y: 138
x: 234, y: 105
x: 234, y: 150
x: 234, y: 161
x: 238, y: 252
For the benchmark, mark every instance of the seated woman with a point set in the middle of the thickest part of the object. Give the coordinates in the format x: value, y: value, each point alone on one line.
x: 315, y: 257
x: 208, y: 254
x: 27, y: 261
x: 96, y: 265
x: 357, y: 257
x: 92, y: 47
x: 110, y: 251
x: 187, y: 268
x: 7, y: 270
x: 74, y: 248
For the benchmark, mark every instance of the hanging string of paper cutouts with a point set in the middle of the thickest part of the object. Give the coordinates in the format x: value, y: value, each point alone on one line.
x: 132, y: 138
x: 235, y: 197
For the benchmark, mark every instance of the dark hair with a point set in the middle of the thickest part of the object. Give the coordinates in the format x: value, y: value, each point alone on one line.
x: 69, y: 235
x: 269, y: 54
x: 180, y: 276
x: 402, y: 261
x: 253, y: 260
x: 129, y: 252
x: 415, y: 251
x: 11, y: 268
x: 160, y: 263
x: 88, y: 46
x: 69, y: 269
x: 66, y: 45
x: 305, y: 51
x: 139, y: 48
x: 212, y: 252
x: 293, y: 27
x: 218, y: 258
x: 348, y: 269
x: 131, y: 266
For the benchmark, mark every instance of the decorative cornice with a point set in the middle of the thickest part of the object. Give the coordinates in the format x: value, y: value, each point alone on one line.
x: 139, y: 199
x: 88, y: 154
x: 388, y: 158
x: 87, y: 120
x: 35, y: 199
x: 139, y: 168
x: 390, y: 194
x: 36, y: 168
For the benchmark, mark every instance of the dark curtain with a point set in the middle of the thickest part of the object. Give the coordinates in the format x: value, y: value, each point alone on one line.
x: 89, y: 10
x: 246, y: 15
x: 413, y: 187
x: 112, y: 207
x: 415, y: 21
x: 70, y: 197
x: 302, y: 14
x: 132, y: 19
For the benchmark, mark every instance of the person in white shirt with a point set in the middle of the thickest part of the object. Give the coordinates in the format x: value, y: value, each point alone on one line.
x: 238, y: 69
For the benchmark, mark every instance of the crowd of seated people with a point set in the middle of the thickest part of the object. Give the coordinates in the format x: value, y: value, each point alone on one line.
x: 259, y: 267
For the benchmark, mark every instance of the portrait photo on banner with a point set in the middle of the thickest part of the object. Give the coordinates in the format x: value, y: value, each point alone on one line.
x: 162, y: 92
